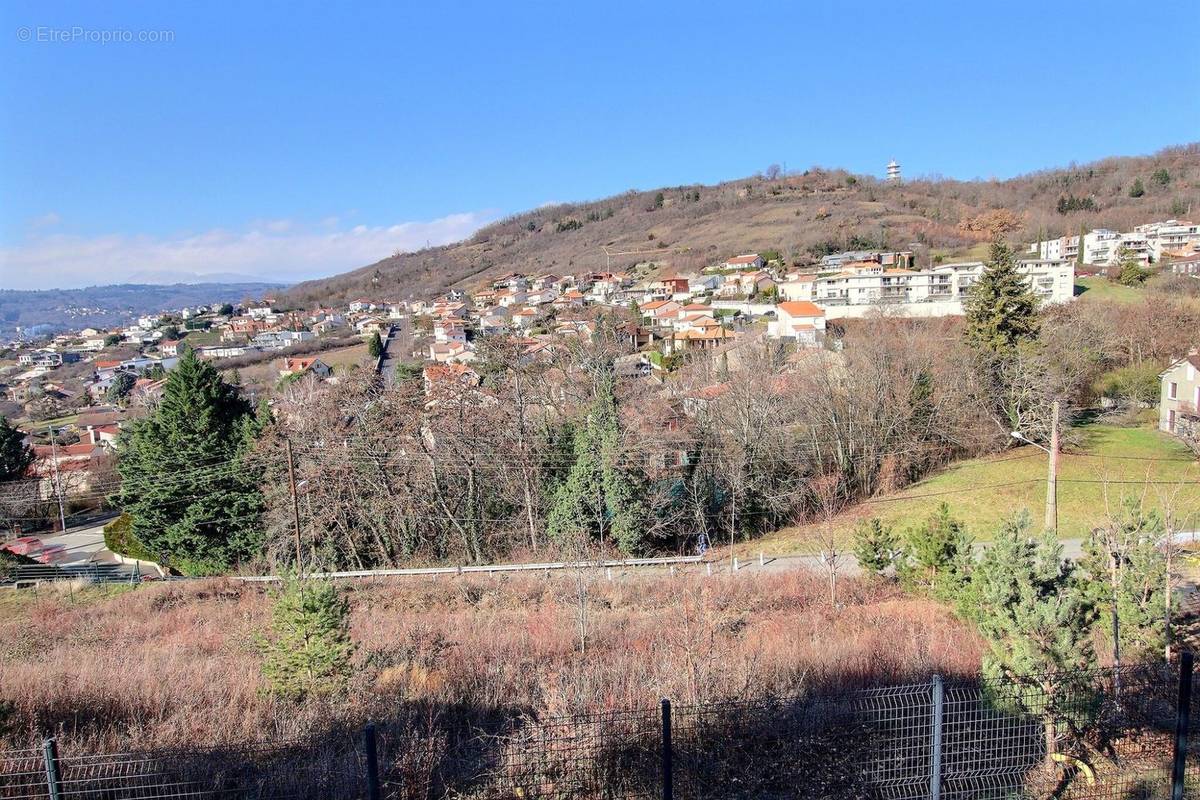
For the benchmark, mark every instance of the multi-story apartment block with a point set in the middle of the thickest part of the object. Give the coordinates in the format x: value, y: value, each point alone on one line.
x: 941, y: 288
x: 1171, y: 236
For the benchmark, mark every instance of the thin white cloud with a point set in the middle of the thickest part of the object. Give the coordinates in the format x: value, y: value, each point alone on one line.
x: 270, y: 250
x: 47, y: 220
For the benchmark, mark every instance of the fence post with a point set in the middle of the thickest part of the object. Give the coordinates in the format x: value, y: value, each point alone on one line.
x: 935, y: 761
x: 372, y: 761
x: 1182, y: 714
x: 668, y: 790
x: 53, y: 775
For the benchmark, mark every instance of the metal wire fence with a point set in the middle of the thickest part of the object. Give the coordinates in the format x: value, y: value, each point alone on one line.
x: 1082, y: 734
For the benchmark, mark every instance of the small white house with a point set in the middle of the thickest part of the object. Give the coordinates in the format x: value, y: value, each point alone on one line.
x: 798, y: 320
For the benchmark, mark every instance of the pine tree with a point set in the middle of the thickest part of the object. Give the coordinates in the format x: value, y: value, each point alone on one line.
x: 1026, y: 603
x: 375, y: 345
x: 185, y: 481
x: 1001, y: 309
x: 937, y: 554
x: 1138, y: 189
x: 1129, y: 271
x: 601, y: 495
x: 118, y: 391
x: 15, y: 455
x: 875, y: 546
x: 309, y: 650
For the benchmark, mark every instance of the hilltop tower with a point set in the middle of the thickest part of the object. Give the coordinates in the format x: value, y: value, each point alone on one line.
x: 893, y: 171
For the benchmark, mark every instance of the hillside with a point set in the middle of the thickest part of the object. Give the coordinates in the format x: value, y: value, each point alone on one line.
x: 47, y: 310
x: 801, y: 215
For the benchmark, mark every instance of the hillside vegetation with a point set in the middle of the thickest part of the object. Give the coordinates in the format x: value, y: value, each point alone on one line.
x: 1110, y: 464
x: 801, y: 215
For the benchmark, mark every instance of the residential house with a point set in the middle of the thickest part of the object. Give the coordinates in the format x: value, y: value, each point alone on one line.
x: 64, y: 468
x: 226, y: 351
x: 45, y: 358
x: 749, y: 261
x: 492, y: 324
x: 361, y: 305
x: 449, y: 329
x: 525, y: 318
x: 278, y: 340
x: 369, y: 325
x: 541, y: 297
x: 514, y: 281
x: 799, y: 286
x: 169, y: 347
x: 662, y: 313
x: 1179, y: 402
x: 444, y: 352
x: 449, y: 308
x: 752, y: 283
x: 301, y: 365
x: 798, y: 320
x: 510, y: 297
x: 708, y: 337
x: 484, y: 299
x: 705, y: 283
x: 570, y: 299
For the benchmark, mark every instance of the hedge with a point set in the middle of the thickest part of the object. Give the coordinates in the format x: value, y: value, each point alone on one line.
x: 119, y: 538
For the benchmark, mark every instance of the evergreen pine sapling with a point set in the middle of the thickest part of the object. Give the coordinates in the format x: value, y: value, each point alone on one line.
x: 875, y: 546
x: 937, y: 556
x: 309, y: 650
x: 1027, y: 604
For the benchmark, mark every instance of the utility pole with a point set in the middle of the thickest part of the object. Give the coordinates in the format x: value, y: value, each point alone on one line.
x: 1052, y: 477
x: 62, y: 516
x: 287, y: 443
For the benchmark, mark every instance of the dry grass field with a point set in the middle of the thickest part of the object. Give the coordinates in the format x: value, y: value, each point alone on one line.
x: 177, y: 664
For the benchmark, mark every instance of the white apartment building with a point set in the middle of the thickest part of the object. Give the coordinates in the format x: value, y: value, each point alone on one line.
x: 1170, y: 236
x: 1101, y: 247
x: 937, y: 291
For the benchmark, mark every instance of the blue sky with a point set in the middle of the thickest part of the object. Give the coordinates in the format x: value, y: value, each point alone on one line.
x: 298, y: 139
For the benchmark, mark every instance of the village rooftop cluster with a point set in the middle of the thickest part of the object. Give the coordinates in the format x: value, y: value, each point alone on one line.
x: 111, y: 376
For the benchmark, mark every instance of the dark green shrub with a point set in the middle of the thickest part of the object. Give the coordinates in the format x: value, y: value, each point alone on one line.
x: 119, y: 538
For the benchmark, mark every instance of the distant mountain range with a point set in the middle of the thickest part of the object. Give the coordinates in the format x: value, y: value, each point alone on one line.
x: 37, y: 312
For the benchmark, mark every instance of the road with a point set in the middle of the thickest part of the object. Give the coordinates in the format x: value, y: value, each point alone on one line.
x: 397, y: 348
x: 85, y: 545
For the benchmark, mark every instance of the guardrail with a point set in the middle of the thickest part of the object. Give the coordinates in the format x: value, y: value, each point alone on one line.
x: 462, y: 570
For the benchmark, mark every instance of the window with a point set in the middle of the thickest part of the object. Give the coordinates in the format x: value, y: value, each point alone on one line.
x: 1173, y: 390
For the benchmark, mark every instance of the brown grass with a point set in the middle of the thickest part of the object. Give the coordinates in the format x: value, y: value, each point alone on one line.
x: 176, y: 665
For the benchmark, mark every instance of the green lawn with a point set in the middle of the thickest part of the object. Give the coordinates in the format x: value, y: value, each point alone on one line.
x: 976, y: 492
x: 1104, y: 289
